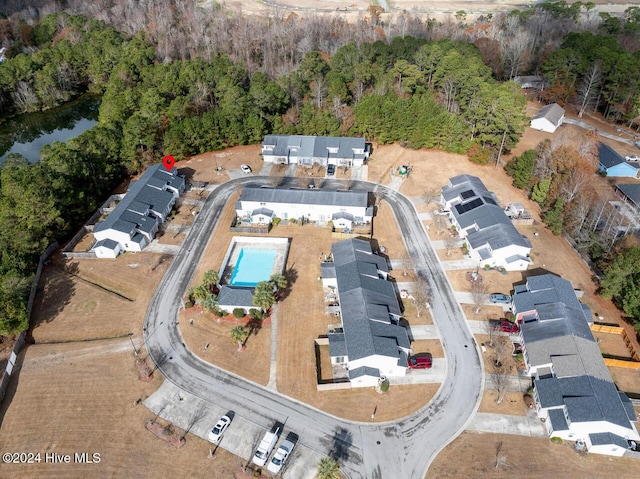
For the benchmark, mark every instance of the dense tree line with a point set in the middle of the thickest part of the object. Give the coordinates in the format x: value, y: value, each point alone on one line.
x: 67, y: 56
x: 241, y: 77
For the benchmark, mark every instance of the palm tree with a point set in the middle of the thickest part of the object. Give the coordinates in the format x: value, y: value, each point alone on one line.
x: 210, y: 302
x: 210, y: 279
x: 263, y: 296
x: 239, y: 335
x: 200, y: 292
x: 328, y: 469
x: 279, y: 281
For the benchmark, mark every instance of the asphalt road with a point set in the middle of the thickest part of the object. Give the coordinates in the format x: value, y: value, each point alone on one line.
x: 398, y: 449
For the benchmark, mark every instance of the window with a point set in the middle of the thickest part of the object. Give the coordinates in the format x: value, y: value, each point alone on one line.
x: 339, y: 359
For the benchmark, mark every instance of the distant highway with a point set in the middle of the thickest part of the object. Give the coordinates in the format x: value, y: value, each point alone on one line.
x: 400, y: 449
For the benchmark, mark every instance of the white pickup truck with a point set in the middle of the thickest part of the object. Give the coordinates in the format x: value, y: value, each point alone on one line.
x: 266, y: 446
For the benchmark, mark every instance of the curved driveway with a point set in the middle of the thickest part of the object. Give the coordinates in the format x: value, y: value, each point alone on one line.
x: 402, y: 448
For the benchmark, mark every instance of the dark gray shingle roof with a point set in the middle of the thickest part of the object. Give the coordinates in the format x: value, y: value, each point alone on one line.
x: 131, y: 207
x: 604, y: 438
x: 364, y: 371
x: 315, y: 146
x: 106, y: 243
x: 558, y: 421
x: 608, y: 157
x: 236, y: 296
x: 559, y: 333
x: 305, y: 196
x: 478, y: 206
x: 366, y: 303
x: 631, y: 191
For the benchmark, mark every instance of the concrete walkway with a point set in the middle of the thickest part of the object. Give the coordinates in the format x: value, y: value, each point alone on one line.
x: 274, y: 348
x: 395, y: 184
x: 291, y: 170
x: 423, y: 376
x: 424, y: 216
x: 441, y: 244
x: 458, y: 264
x: 425, y: 331
x: 528, y: 425
x: 265, y: 170
x: 513, y: 383
x: 360, y: 172
x: 156, y: 247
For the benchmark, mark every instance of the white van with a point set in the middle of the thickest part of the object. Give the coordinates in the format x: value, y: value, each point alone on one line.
x: 266, y: 446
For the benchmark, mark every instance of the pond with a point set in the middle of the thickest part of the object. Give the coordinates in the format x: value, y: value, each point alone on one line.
x: 27, y: 134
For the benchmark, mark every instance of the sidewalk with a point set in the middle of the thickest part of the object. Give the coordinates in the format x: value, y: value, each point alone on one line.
x: 528, y: 425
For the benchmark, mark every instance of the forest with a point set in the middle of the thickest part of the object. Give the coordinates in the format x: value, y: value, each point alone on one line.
x: 413, y: 81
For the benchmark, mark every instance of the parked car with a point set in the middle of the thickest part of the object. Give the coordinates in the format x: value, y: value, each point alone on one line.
x: 331, y: 170
x: 420, y: 362
x: 632, y: 158
x: 218, y: 430
x: 504, y: 326
x: 246, y: 169
x: 500, y: 298
x: 282, y: 453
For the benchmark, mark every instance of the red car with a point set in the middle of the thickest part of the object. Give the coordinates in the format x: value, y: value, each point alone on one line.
x: 508, y: 327
x: 420, y: 362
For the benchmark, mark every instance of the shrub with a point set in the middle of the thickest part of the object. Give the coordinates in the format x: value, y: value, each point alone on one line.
x: 487, y: 267
x: 189, y: 304
x: 556, y: 439
x: 384, y: 386
x: 238, y: 313
x: 218, y: 311
x: 256, y: 314
x: 275, y: 221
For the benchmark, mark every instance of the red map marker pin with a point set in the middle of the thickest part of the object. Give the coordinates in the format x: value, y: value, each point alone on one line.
x: 168, y: 162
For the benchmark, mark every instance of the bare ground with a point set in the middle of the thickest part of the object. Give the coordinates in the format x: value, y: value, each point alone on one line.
x: 474, y: 455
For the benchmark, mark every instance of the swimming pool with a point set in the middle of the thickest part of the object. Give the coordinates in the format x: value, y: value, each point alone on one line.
x: 253, y: 266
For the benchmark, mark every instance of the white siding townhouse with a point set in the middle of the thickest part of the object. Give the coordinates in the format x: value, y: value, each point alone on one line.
x: 574, y: 393
x: 490, y: 236
x: 134, y: 221
x: 310, y: 150
x: 260, y: 205
x: 372, y: 343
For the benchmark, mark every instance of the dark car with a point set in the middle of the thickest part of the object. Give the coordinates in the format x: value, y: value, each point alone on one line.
x: 331, y: 170
x: 420, y: 362
x: 500, y: 298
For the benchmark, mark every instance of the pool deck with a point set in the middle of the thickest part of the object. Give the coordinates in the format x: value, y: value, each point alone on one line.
x: 279, y: 245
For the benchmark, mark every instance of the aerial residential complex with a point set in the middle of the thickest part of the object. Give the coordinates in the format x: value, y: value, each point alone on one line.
x: 490, y: 236
x: 573, y: 390
x: 310, y: 150
x: 134, y: 221
x: 372, y: 343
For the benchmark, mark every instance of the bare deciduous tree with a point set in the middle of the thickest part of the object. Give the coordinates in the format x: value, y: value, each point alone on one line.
x: 479, y: 295
x: 421, y: 294
x: 450, y: 242
x: 501, y: 457
x: 439, y: 223
x: 498, y: 368
x: 589, y: 88
x: 431, y: 195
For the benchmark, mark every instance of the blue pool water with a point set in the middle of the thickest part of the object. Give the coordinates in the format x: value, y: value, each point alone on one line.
x: 253, y: 266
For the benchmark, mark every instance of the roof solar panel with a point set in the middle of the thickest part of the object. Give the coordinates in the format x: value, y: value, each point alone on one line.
x: 471, y: 205
x: 467, y: 194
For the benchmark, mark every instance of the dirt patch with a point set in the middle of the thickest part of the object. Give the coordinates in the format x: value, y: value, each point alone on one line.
x: 93, y: 298
x: 627, y: 380
x: 431, y: 346
x: 485, y: 314
x: 210, y: 339
x: 85, y: 397
x: 202, y: 168
x: 539, y: 457
x: 512, y: 403
x: 387, y: 235
x: 612, y: 344
x: 410, y: 314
